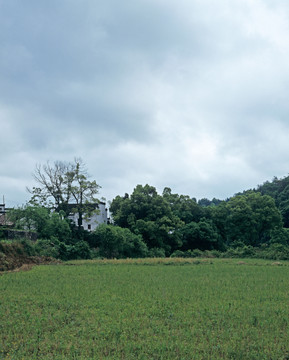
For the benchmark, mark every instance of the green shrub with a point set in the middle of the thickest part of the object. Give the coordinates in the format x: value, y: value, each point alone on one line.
x: 80, y: 250
x: 54, y: 248
x: 276, y: 252
x: 280, y: 236
x: 48, y: 247
x: 178, y: 253
x: 212, y: 253
x: 156, y: 253
x: 116, y: 242
x: 29, y: 247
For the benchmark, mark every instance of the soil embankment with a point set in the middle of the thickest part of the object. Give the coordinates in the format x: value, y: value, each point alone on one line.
x: 13, y: 256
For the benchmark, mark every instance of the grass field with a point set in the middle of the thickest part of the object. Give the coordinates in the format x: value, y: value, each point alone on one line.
x: 146, y: 309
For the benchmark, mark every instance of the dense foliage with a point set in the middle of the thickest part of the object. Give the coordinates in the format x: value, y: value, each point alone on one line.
x: 177, y: 222
x: 149, y: 224
x: 117, y: 242
x: 278, y: 189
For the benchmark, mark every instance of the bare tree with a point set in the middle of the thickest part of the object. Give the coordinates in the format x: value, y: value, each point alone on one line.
x: 64, y: 186
x: 51, y: 179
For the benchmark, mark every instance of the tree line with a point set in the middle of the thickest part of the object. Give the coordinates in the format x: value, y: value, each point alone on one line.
x: 174, y: 222
x: 146, y: 223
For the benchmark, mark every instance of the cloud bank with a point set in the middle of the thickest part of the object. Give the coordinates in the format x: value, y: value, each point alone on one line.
x: 189, y: 95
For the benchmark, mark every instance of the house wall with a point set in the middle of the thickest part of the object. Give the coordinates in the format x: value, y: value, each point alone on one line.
x: 95, y: 220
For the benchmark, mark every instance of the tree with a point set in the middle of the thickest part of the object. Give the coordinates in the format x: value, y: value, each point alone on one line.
x: 206, y: 202
x: 218, y: 214
x: 184, y: 207
x: 47, y: 224
x: 278, y: 189
x: 202, y: 235
x: 81, y: 190
x: 251, y: 218
x: 144, y: 203
x: 148, y: 214
x: 53, y: 190
x: 63, y: 184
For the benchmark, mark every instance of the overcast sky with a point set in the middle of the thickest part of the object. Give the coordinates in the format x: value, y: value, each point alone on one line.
x: 187, y: 94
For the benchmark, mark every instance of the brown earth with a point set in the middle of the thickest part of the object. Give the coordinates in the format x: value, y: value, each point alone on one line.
x: 13, y: 257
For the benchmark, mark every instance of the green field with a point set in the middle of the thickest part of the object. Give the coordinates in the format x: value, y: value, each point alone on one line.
x: 203, y: 309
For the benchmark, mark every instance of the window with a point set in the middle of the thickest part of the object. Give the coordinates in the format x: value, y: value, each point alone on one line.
x: 89, y: 227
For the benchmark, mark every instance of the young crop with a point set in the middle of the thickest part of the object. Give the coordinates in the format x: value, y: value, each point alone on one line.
x: 214, y: 309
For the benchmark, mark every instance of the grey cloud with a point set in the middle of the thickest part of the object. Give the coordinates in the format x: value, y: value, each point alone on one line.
x: 190, y: 95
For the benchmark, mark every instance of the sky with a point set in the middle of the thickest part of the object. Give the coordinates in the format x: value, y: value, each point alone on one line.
x: 187, y: 94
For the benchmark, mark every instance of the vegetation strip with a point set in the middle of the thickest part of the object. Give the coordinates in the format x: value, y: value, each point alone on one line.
x: 65, y: 220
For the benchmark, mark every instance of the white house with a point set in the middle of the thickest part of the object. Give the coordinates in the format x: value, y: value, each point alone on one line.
x: 92, y: 221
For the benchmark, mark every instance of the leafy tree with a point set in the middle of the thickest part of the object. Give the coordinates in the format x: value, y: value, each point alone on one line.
x: 278, y: 189
x: 144, y: 203
x: 47, y: 224
x: 148, y: 214
x: 29, y: 217
x: 251, y: 218
x: 63, y: 184
x: 206, y: 202
x: 282, y: 201
x: 218, y: 215
x: 120, y: 210
x: 202, y: 235
x: 147, y: 204
x: 56, y: 226
x: 184, y: 207
x: 274, y: 188
x: 280, y: 236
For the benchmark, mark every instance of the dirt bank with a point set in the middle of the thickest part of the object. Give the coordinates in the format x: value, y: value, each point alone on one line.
x: 13, y: 256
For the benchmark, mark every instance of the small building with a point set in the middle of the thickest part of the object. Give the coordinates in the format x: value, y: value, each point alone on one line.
x: 97, y: 215
x: 2, y: 208
x: 3, y: 217
x: 2, y: 214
